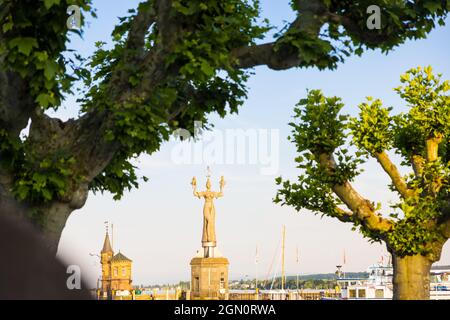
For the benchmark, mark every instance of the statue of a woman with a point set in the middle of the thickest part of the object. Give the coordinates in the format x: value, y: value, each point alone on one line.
x: 209, y: 213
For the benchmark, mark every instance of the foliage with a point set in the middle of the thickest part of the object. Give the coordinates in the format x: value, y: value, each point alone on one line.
x: 336, y: 43
x: 320, y: 132
x: 139, y: 123
x: 191, y: 62
x: 36, y: 53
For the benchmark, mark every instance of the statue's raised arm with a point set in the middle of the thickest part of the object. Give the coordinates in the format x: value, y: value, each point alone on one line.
x: 222, y: 185
x: 194, y: 187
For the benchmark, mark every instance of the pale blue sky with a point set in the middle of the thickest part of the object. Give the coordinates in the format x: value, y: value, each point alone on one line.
x: 159, y: 225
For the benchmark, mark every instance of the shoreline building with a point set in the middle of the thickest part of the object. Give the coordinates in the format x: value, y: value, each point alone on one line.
x: 116, y: 272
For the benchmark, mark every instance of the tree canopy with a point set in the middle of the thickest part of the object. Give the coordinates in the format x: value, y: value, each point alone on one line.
x: 333, y: 146
x: 171, y: 62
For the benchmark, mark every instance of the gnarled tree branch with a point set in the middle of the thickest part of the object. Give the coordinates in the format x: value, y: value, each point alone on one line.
x: 342, y: 215
x: 432, y: 147
x: 397, y: 180
x: 362, y: 208
x: 311, y: 16
x: 92, y: 150
x: 417, y: 163
x: 16, y: 105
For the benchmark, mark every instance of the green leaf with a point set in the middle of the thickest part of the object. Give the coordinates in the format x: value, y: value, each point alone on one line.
x: 7, y: 26
x: 25, y: 45
x: 432, y: 6
x: 207, y: 69
x: 51, y: 68
x: 50, y: 3
x: 44, y: 100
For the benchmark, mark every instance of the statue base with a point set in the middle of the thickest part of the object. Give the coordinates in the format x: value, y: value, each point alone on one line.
x: 209, y: 278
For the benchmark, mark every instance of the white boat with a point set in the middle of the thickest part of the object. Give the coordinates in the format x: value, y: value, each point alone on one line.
x: 440, y: 283
x: 378, y: 286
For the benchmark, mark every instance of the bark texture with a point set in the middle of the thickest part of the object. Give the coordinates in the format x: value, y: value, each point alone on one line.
x: 411, y: 277
x: 50, y: 218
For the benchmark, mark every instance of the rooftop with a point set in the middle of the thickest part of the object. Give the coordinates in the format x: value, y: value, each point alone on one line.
x: 120, y: 257
x: 107, y: 245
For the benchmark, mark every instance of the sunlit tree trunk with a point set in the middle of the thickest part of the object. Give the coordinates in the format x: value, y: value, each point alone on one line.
x: 411, y: 277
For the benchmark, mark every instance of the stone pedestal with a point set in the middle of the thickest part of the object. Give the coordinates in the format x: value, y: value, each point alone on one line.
x: 209, y: 277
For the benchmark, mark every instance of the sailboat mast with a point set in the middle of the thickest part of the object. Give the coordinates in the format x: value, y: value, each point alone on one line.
x: 256, y: 262
x: 282, y: 259
x: 297, y: 265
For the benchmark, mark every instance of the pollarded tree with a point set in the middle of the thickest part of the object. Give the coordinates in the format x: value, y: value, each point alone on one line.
x: 416, y: 227
x: 171, y: 62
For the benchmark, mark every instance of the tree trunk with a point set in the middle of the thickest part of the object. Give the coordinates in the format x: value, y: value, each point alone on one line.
x: 411, y: 277
x: 50, y: 218
x: 56, y: 215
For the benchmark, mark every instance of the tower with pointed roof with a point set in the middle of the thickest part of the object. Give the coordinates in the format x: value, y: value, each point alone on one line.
x: 116, y: 270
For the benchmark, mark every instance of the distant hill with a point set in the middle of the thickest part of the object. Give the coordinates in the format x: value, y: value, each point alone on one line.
x: 308, y: 281
x: 315, y: 280
x: 327, y: 276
